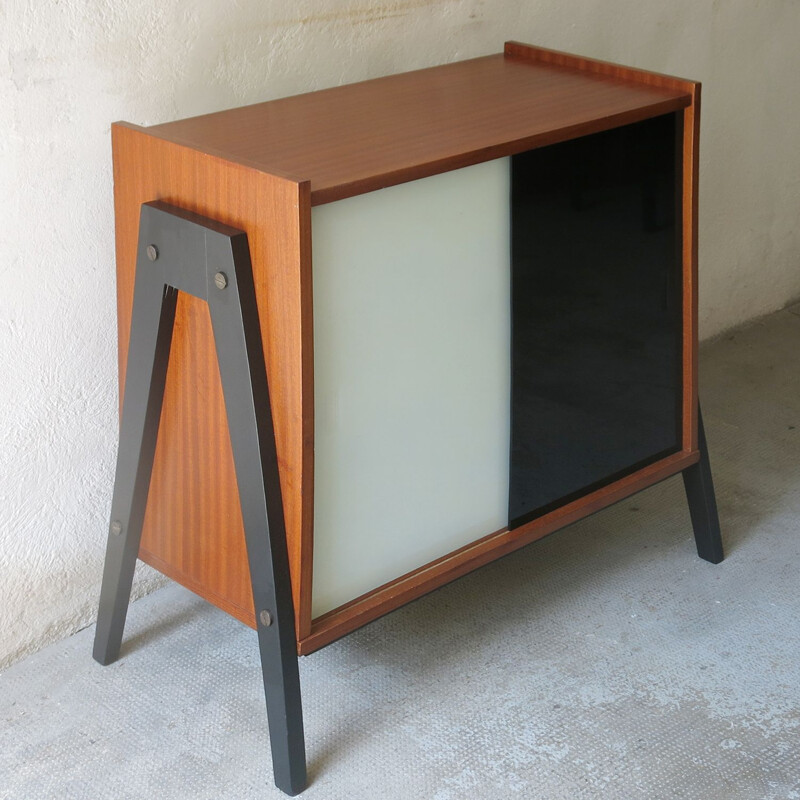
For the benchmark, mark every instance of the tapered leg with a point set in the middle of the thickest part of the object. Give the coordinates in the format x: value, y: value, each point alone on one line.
x: 702, y: 502
x: 182, y: 251
x: 148, y: 355
x: 234, y: 317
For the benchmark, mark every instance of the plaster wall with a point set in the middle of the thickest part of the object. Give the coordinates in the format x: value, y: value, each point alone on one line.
x: 70, y: 67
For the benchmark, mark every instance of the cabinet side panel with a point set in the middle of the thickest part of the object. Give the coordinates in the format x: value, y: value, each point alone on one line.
x: 193, y: 527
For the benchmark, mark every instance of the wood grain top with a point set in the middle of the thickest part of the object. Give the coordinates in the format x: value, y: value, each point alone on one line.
x: 364, y: 136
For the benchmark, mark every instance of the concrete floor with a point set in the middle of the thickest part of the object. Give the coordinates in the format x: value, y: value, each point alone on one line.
x: 607, y: 661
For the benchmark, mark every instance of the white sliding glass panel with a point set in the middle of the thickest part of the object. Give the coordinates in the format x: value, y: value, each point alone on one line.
x: 412, y: 376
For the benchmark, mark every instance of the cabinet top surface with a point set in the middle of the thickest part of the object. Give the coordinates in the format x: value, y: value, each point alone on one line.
x: 356, y: 138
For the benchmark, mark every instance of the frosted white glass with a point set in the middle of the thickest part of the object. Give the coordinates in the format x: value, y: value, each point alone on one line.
x: 412, y: 376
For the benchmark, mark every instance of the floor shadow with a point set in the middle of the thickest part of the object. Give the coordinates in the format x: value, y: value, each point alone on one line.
x: 157, y: 631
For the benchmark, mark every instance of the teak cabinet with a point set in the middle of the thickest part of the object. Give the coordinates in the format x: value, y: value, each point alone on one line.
x: 464, y: 301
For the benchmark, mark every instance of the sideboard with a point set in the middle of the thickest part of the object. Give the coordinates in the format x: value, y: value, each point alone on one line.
x: 374, y: 337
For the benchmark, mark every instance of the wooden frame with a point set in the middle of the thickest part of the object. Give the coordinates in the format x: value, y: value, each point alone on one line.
x: 260, y: 169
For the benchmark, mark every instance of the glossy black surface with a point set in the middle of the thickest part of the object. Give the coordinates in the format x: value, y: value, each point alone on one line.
x: 596, y: 312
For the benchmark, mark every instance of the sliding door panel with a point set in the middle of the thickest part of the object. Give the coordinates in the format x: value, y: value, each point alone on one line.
x: 596, y: 312
x: 412, y: 321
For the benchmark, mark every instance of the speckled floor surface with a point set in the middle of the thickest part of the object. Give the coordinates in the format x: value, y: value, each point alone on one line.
x: 607, y: 661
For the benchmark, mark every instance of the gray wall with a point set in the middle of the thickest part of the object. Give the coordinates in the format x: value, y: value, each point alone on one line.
x: 68, y: 69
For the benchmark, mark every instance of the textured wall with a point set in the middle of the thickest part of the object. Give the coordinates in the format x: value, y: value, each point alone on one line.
x: 68, y: 68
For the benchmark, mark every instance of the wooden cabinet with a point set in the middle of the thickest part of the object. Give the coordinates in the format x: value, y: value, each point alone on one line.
x: 477, y: 293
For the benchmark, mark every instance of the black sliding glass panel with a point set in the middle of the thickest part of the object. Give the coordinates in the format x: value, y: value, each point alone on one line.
x: 596, y: 312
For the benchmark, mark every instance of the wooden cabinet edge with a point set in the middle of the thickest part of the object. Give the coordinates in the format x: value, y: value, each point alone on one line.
x: 691, y: 141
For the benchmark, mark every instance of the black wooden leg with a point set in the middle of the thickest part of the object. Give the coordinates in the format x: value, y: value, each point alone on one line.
x: 183, y: 251
x: 148, y: 355
x: 703, y: 503
x: 237, y: 334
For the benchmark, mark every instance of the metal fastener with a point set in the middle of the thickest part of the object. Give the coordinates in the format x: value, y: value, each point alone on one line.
x: 265, y: 618
x: 221, y: 280
x: 116, y: 527
x: 152, y: 252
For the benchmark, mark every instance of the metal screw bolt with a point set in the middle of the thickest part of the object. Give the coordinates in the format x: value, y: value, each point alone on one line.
x: 221, y: 280
x: 152, y: 252
x: 265, y: 618
x: 116, y: 527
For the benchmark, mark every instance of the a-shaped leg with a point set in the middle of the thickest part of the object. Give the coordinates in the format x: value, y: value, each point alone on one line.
x: 182, y: 251
x: 148, y: 355
x: 702, y: 502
